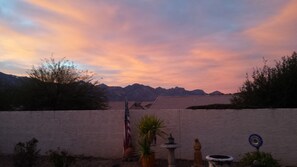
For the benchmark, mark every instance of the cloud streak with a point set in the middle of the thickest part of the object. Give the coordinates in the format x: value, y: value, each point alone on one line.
x: 193, y: 44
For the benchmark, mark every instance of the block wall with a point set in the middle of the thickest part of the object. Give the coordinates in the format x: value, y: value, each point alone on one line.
x: 100, y: 133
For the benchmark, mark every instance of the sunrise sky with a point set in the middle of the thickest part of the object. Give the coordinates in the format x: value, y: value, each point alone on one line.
x: 194, y: 44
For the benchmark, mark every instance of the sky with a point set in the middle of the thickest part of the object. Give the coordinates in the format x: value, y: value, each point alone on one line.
x: 195, y: 44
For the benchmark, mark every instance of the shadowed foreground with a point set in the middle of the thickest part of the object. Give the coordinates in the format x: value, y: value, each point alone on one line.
x: 7, y: 161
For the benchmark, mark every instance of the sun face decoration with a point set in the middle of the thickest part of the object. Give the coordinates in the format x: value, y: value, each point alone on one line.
x: 256, y: 141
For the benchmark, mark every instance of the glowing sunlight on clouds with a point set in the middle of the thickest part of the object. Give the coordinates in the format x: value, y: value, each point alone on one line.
x: 192, y: 44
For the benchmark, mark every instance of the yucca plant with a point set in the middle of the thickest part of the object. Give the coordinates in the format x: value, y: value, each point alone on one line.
x: 145, y: 148
x: 149, y: 127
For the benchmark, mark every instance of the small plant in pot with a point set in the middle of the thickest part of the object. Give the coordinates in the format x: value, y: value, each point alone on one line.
x: 147, y: 156
x: 149, y: 127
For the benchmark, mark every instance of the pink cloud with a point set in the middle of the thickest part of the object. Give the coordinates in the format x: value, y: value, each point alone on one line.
x: 127, y: 42
x: 277, y: 35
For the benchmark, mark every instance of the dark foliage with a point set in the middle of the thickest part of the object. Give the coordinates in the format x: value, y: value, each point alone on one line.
x: 273, y: 87
x: 56, y: 96
x: 61, y: 86
x: 26, y: 154
x: 60, y: 158
x: 54, y: 86
x: 7, y: 99
x: 215, y: 106
x: 10, y: 92
x: 258, y: 159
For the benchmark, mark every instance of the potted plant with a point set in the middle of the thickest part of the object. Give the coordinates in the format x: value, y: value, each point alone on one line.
x: 147, y: 156
x: 149, y: 127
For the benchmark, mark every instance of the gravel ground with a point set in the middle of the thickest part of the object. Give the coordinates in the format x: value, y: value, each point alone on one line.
x: 6, y: 161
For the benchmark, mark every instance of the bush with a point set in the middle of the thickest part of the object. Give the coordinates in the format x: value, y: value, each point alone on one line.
x: 259, y: 159
x: 273, y: 87
x: 26, y: 154
x: 60, y: 158
x: 60, y: 85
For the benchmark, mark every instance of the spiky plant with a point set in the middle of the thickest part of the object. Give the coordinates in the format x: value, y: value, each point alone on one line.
x: 149, y: 127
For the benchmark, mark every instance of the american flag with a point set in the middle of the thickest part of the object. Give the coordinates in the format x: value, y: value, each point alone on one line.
x: 127, y: 135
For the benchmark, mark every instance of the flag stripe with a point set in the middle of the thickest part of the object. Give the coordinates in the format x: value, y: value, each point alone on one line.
x: 127, y: 135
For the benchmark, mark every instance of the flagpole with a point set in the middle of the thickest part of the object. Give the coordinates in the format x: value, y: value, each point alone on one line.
x: 127, y: 144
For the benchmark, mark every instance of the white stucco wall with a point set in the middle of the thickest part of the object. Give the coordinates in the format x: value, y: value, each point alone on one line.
x: 96, y: 133
x: 100, y: 133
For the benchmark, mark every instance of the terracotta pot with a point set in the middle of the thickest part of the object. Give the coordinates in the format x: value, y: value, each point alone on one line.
x: 148, y: 161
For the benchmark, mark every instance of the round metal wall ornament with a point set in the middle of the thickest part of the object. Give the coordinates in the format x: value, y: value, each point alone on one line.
x: 256, y: 141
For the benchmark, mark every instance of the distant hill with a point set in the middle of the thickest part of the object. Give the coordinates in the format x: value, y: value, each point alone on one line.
x: 7, y: 80
x: 135, y: 92
x: 216, y: 93
x: 138, y: 92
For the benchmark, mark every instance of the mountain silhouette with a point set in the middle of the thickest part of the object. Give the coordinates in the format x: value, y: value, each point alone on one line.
x: 139, y: 92
x: 135, y: 92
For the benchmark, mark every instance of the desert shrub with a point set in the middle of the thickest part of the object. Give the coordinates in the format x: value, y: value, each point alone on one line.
x: 60, y: 158
x: 259, y: 159
x: 60, y: 85
x: 26, y: 154
x: 273, y: 87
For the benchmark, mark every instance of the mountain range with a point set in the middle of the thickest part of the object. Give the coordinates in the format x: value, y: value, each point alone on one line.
x: 139, y: 92
x: 7, y: 80
x: 135, y: 92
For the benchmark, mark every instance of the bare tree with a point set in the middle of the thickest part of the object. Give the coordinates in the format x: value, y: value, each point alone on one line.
x: 60, y: 85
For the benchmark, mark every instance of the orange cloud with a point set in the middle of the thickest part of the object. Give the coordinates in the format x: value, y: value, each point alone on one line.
x: 277, y: 35
x: 138, y: 42
x: 17, y: 47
